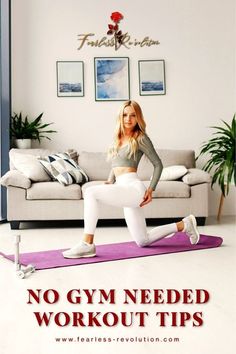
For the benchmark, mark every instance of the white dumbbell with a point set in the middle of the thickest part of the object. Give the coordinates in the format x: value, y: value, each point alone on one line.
x: 17, y: 252
x: 21, y: 272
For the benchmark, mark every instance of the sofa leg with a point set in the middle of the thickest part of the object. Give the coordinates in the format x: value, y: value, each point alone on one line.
x: 201, y: 221
x: 15, y: 225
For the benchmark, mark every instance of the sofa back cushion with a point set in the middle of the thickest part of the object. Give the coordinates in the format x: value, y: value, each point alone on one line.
x: 97, y: 167
x: 35, y: 152
x: 177, y: 157
x: 41, y: 153
x: 169, y: 158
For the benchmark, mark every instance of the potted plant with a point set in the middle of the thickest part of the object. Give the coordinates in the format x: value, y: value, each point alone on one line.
x: 24, y: 130
x: 221, y: 149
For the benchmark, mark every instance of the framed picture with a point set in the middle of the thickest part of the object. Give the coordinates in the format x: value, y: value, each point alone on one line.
x: 70, y: 78
x: 152, y: 77
x: 111, y: 79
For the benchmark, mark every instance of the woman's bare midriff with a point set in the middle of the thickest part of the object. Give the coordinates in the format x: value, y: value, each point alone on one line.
x: 118, y: 171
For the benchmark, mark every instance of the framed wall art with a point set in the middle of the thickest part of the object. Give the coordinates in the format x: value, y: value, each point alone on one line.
x: 70, y: 79
x: 112, y: 79
x: 152, y: 77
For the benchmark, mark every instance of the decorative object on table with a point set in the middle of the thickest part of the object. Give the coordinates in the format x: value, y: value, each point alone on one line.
x: 114, y: 29
x: 112, y: 79
x: 151, y: 77
x: 70, y: 78
x: 23, y: 130
x: 222, y: 158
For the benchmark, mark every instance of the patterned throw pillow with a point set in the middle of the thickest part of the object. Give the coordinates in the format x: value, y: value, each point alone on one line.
x: 62, y: 168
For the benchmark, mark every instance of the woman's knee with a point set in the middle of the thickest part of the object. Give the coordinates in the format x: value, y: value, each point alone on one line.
x: 143, y: 242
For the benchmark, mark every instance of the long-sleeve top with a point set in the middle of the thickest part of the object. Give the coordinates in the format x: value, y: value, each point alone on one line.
x: 122, y: 159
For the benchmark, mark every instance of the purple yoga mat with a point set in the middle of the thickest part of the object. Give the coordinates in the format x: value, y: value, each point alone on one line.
x: 117, y: 251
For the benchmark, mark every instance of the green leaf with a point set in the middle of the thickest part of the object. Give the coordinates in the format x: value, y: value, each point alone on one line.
x: 221, y: 151
x: 23, y: 128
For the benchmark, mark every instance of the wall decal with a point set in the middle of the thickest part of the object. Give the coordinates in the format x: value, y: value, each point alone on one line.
x: 118, y: 39
x: 114, y: 29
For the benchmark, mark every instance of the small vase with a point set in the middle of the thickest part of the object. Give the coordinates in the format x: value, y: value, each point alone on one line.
x: 23, y: 143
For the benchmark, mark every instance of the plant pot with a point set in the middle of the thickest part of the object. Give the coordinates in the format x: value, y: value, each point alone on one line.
x: 23, y: 143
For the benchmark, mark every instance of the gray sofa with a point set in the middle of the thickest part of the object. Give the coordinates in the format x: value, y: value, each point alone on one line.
x: 49, y: 200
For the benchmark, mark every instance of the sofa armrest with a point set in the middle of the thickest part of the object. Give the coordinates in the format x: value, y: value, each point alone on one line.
x: 16, y: 179
x: 196, y: 176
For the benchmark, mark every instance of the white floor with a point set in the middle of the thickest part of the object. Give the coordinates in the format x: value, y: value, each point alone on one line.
x: 212, y: 270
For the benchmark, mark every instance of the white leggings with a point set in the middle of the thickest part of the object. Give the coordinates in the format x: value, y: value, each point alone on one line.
x: 127, y: 192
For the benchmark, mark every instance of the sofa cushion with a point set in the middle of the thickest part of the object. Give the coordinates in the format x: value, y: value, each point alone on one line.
x: 53, y: 190
x: 95, y: 165
x: 16, y: 179
x: 29, y: 165
x: 62, y: 168
x: 165, y: 189
x: 168, y: 158
x: 196, y: 176
x: 170, y: 189
x: 34, y: 152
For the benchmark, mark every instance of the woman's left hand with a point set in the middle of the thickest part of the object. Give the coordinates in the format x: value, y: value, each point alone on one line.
x: 147, y: 197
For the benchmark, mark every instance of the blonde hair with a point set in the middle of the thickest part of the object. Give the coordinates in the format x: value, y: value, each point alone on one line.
x: 137, y: 134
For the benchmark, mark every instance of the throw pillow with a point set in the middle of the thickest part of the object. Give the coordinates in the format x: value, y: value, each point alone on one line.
x: 30, y: 167
x: 196, y: 176
x: 171, y: 173
x: 73, y: 154
x: 62, y: 168
x: 16, y: 179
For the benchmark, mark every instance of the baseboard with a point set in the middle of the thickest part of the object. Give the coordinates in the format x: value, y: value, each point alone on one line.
x: 15, y: 224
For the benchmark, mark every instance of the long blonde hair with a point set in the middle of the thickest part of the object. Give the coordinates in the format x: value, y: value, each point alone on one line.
x: 138, y: 131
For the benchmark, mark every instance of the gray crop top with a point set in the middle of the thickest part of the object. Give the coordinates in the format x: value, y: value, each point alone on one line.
x: 146, y: 148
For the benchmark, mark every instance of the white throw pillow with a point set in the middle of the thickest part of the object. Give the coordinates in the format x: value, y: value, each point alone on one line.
x: 15, y: 178
x: 196, y: 176
x: 171, y: 173
x: 30, y: 167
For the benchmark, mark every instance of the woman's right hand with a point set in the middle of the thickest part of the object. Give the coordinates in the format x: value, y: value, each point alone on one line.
x: 147, y: 197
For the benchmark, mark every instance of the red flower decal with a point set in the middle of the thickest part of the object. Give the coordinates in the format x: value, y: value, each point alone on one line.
x: 116, y: 17
x: 114, y: 29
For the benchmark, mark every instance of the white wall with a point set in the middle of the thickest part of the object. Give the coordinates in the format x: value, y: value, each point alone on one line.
x: 197, y: 43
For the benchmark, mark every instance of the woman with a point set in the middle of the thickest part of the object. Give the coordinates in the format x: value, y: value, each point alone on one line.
x: 131, y: 142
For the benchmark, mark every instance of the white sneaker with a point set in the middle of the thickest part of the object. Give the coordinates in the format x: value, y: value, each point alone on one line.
x: 81, y: 250
x: 190, y: 227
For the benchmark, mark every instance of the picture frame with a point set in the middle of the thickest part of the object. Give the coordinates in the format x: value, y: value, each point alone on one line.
x: 111, y: 76
x: 152, y: 77
x: 70, y: 78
